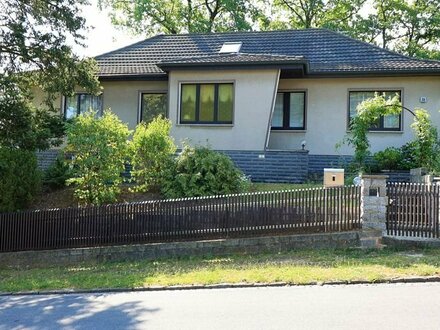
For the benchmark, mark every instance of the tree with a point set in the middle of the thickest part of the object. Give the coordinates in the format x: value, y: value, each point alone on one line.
x: 305, y: 14
x: 177, y: 16
x: 34, y: 54
x: 409, y: 27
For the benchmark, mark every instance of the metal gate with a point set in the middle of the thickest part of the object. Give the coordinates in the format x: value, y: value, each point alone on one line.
x: 413, y: 210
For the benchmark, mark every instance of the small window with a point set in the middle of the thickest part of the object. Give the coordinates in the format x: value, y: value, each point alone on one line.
x: 290, y: 111
x: 153, y: 105
x: 206, y: 104
x: 80, y: 103
x: 384, y: 123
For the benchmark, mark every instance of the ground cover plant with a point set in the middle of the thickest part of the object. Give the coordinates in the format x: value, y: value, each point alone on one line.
x: 295, y: 267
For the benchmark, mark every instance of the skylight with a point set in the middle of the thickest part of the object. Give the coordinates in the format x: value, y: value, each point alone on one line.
x: 231, y: 47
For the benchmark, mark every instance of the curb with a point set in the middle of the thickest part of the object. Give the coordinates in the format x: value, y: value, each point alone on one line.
x: 426, y: 279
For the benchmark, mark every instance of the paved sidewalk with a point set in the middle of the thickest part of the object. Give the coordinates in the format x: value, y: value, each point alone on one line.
x: 383, y: 306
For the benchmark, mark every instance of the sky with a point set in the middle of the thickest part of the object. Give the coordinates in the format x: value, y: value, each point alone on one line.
x: 103, y: 36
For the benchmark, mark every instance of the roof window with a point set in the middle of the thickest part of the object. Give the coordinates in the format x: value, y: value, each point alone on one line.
x: 231, y: 47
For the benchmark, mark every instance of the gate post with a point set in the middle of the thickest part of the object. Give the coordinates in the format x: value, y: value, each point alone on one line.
x: 374, y: 203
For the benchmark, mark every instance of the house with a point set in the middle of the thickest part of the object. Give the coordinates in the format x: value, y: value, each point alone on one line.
x: 277, y: 102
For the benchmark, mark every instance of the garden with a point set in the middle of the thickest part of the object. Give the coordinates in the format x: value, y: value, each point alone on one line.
x: 92, y: 167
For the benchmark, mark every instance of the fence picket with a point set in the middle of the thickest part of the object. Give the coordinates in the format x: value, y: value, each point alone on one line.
x: 240, y: 215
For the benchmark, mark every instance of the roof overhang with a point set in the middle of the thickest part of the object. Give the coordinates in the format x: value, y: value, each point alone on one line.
x: 134, y: 77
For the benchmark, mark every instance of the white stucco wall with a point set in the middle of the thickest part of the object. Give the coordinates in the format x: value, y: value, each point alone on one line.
x: 253, y: 98
x: 327, y: 107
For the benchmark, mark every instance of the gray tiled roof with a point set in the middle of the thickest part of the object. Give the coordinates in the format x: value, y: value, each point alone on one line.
x: 327, y: 53
x: 232, y: 58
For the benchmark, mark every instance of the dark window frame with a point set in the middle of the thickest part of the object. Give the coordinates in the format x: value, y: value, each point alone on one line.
x: 381, y: 127
x: 197, y: 120
x: 286, y: 111
x: 141, y: 107
x: 78, y: 97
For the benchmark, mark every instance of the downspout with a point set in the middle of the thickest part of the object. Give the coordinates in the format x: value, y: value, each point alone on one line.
x: 274, y: 96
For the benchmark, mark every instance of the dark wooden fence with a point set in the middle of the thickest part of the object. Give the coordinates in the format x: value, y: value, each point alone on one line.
x: 413, y: 210
x: 241, y: 215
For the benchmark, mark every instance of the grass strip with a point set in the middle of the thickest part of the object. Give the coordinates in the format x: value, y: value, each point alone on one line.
x: 296, y: 267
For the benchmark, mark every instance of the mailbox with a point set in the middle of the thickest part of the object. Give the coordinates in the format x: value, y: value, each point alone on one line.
x: 333, y: 177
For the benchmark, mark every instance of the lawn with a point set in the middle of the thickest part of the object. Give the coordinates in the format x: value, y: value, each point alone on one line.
x: 297, y: 267
x: 260, y: 186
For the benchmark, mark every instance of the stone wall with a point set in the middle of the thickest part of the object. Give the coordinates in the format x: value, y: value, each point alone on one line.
x: 178, y: 249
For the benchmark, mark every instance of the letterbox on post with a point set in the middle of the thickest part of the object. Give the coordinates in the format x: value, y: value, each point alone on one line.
x: 333, y: 177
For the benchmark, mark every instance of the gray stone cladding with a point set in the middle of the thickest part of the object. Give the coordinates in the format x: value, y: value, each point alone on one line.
x: 272, y: 166
x: 268, y: 166
x: 317, y: 163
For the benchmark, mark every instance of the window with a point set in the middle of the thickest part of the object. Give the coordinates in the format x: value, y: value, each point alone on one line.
x: 153, y: 105
x: 206, y: 103
x: 385, y: 123
x: 80, y: 103
x: 290, y: 111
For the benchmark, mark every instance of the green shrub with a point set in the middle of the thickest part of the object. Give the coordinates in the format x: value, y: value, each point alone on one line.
x: 388, y: 159
x: 152, y: 153
x: 203, y: 172
x: 57, y: 174
x: 409, y: 157
x: 20, y: 178
x: 100, y: 150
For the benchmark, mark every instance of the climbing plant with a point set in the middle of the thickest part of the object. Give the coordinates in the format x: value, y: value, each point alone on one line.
x: 426, y: 143
x: 368, y: 113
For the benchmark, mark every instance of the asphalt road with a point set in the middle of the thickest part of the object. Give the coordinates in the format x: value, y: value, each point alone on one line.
x: 383, y: 306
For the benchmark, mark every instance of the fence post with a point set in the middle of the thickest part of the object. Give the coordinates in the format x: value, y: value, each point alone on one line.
x: 374, y: 203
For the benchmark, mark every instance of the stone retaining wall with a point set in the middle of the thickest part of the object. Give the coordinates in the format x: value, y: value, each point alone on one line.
x: 178, y: 249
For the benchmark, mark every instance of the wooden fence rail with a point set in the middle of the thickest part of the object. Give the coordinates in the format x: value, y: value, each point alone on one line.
x: 413, y: 210
x: 240, y: 215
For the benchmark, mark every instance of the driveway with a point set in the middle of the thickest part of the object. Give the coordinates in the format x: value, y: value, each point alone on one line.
x: 383, y: 306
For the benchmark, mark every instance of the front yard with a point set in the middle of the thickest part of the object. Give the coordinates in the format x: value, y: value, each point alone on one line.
x: 62, y: 198
x: 296, y: 267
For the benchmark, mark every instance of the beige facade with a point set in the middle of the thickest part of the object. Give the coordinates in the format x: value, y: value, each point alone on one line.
x: 327, y: 111
x: 254, y: 94
x: 123, y: 97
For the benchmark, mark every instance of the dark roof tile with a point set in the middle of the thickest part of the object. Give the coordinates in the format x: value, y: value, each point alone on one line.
x: 327, y: 52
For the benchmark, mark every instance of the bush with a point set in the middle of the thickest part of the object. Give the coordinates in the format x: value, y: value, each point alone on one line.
x: 57, y: 174
x: 389, y: 159
x: 100, y: 149
x: 409, y: 157
x: 20, y: 178
x: 202, y: 172
x: 152, y: 152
